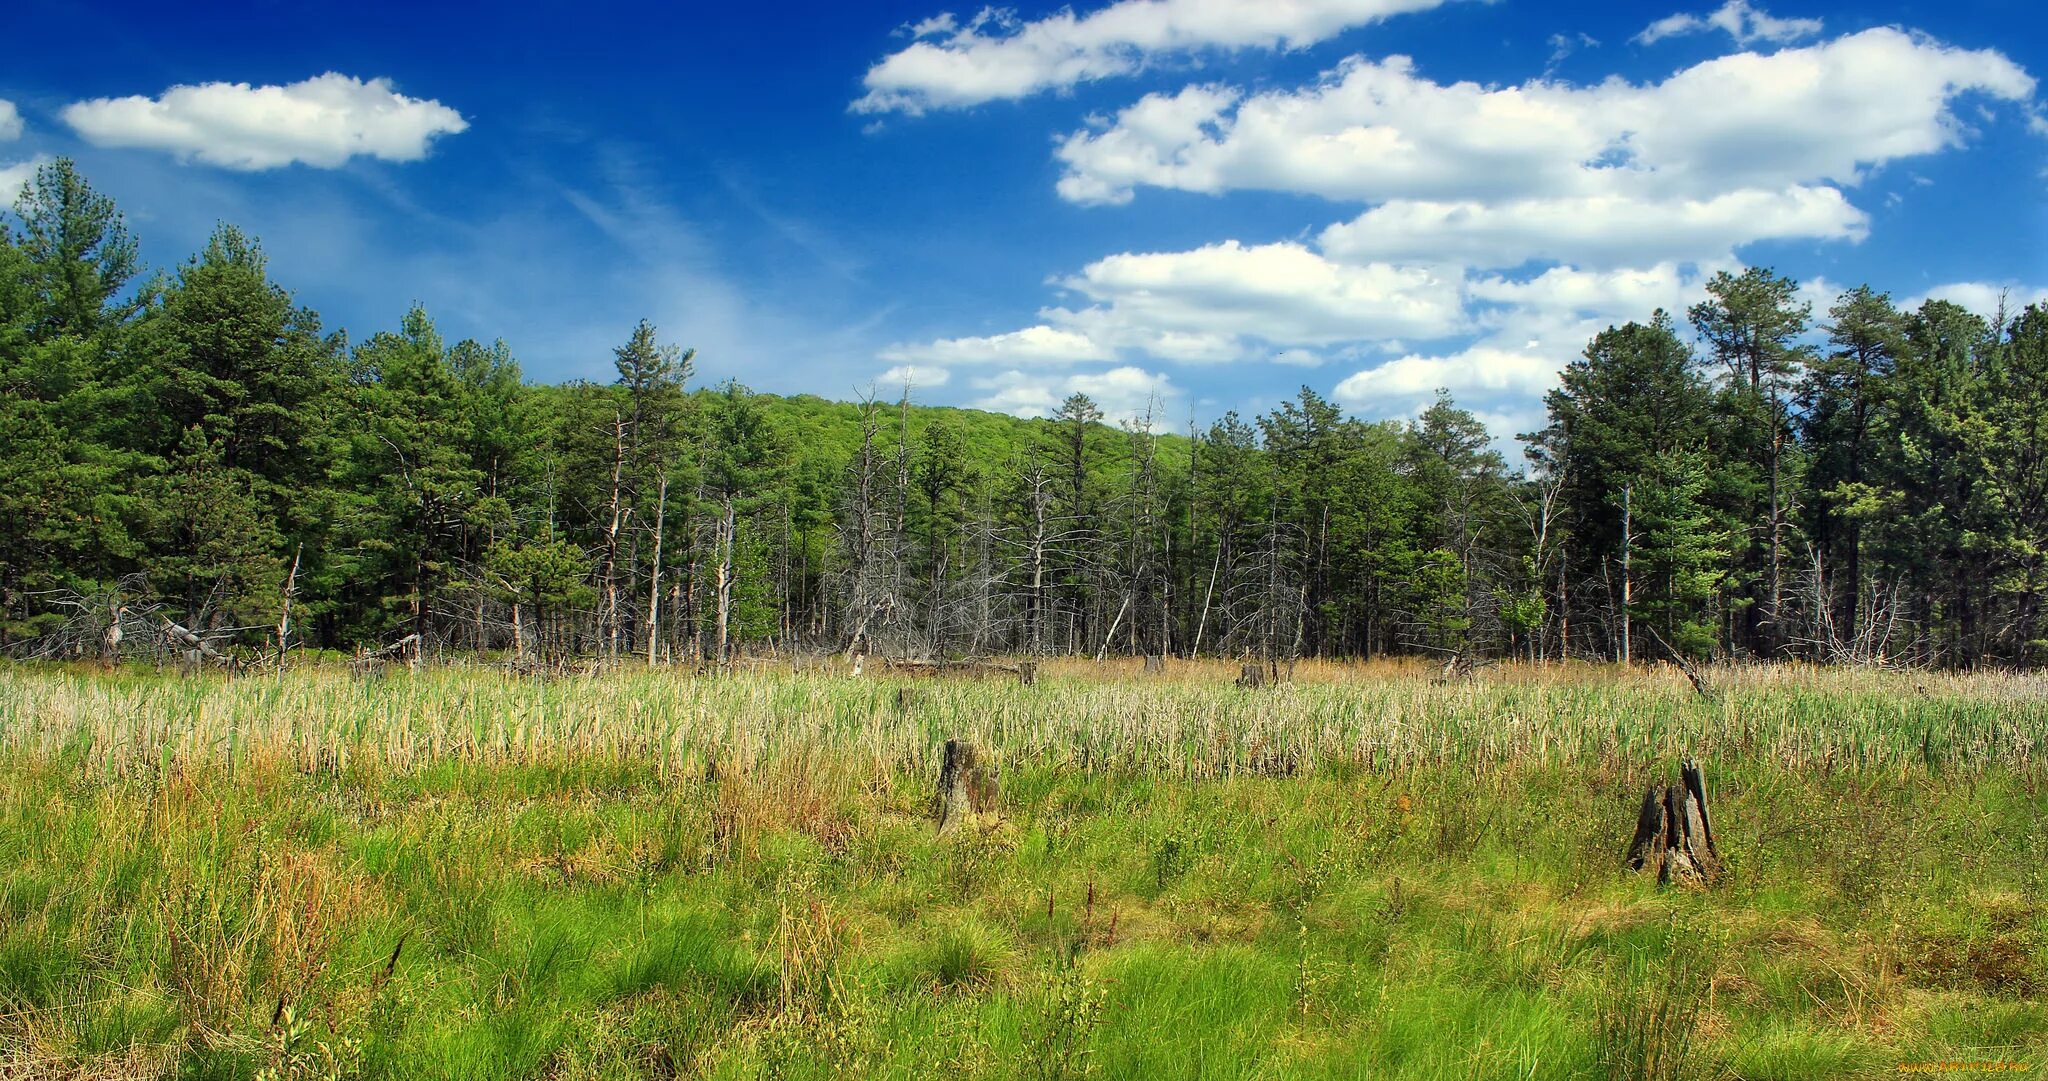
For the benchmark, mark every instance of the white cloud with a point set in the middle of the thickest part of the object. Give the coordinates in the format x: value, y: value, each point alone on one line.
x: 1494, y: 229
x: 1747, y: 25
x: 1373, y: 131
x: 1200, y: 304
x: 10, y: 121
x: 12, y: 177
x: 1038, y: 345
x: 1214, y: 304
x: 1984, y: 298
x: 322, y: 122
x: 995, y: 56
x: 1123, y: 393
x: 1599, y: 230
x: 916, y: 375
x: 1480, y: 368
x: 1529, y: 329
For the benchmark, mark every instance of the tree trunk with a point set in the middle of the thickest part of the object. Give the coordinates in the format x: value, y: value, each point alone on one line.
x: 723, y: 640
x: 1675, y: 832
x: 608, y: 618
x: 967, y: 786
x: 654, y: 576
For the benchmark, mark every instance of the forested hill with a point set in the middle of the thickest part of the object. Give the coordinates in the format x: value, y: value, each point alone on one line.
x: 190, y: 463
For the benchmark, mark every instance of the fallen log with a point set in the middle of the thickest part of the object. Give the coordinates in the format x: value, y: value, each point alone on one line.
x: 1027, y: 671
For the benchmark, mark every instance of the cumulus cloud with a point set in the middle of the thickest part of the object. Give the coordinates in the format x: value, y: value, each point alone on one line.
x: 916, y: 375
x: 1597, y: 230
x: 1373, y: 131
x: 1529, y: 329
x: 1037, y: 345
x: 1494, y: 229
x: 1218, y: 303
x: 1281, y: 293
x: 1481, y: 368
x: 1985, y: 298
x: 10, y: 120
x: 995, y: 56
x: 1123, y: 393
x: 1747, y: 25
x: 12, y: 177
x: 321, y: 122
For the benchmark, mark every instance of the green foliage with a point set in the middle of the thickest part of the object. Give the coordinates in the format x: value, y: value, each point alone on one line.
x: 182, y: 439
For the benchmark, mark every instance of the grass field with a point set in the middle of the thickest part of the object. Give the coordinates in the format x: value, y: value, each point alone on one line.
x: 1361, y: 873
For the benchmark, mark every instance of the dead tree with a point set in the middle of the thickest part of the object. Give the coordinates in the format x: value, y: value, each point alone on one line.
x: 195, y: 648
x: 967, y: 786
x: 1251, y: 675
x: 284, y: 612
x: 1699, y: 682
x: 1155, y: 662
x: 1675, y: 832
x: 407, y: 647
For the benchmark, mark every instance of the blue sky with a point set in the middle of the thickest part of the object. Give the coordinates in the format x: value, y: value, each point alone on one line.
x: 1198, y: 203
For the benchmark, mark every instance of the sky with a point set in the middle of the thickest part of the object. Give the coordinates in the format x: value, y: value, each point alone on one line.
x: 1181, y: 206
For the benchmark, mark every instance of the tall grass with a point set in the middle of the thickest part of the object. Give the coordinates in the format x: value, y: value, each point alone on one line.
x: 457, y: 873
x: 1188, y: 723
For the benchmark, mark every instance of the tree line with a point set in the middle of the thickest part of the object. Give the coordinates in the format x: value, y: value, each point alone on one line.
x: 190, y: 461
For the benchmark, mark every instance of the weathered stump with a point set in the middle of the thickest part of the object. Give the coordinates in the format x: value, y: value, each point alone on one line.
x: 1675, y: 831
x: 1251, y: 676
x: 1027, y: 672
x: 967, y: 786
x: 1155, y: 662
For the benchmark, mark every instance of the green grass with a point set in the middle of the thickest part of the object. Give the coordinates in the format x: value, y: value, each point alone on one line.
x: 1359, y: 875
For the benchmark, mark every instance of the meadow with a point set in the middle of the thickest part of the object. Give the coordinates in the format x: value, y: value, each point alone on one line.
x: 1361, y: 872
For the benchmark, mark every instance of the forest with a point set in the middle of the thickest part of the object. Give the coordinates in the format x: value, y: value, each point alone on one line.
x: 191, y: 463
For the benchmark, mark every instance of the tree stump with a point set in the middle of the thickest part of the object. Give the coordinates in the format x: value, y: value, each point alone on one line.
x: 1251, y: 676
x: 967, y: 786
x: 1027, y: 672
x: 1155, y: 663
x: 1675, y: 831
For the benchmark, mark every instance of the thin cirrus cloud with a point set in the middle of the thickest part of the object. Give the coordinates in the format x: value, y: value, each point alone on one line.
x: 321, y: 122
x: 995, y: 56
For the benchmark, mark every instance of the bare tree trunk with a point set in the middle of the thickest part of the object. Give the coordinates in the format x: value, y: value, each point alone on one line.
x: 608, y: 618
x: 518, y: 634
x: 654, y: 576
x: 1772, y: 639
x: 1103, y: 653
x: 723, y: 640
x: 284, y: 614
x: 1627, y: 562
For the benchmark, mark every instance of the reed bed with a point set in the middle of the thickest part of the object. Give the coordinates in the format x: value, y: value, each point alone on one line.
x: 1186, y: 723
